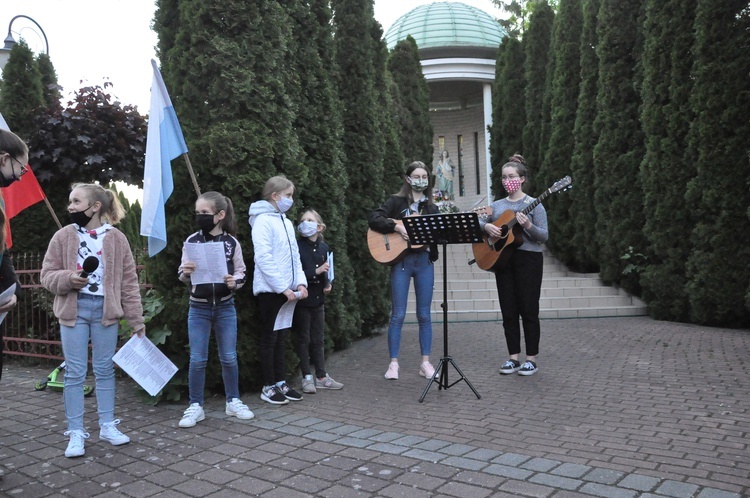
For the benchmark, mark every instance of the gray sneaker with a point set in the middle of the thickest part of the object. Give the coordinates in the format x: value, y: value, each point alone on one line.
x: 328, y: 383
x: 308, y: 384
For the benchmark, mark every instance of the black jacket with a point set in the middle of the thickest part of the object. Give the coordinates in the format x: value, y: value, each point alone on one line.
x: 313, y: 255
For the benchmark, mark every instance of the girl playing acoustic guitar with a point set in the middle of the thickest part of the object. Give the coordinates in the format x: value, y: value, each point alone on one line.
x: 417, y: 264
x: 519, y: 282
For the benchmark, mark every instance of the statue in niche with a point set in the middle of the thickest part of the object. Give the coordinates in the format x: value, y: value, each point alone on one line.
x: 443, y: 172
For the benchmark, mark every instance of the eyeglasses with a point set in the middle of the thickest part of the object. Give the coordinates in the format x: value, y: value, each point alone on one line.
x: 24, y: 167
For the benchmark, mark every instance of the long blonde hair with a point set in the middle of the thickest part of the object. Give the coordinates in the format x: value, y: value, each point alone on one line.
x: 275, y: 184
x: 111, y: 211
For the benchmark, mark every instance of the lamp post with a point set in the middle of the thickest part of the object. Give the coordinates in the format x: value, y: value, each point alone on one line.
x: 10, y: 41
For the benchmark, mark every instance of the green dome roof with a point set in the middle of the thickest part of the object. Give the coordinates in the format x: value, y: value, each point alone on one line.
x: 447, y: 24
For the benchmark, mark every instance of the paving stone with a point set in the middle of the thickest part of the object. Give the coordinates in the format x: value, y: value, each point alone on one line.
x: 676, y: 489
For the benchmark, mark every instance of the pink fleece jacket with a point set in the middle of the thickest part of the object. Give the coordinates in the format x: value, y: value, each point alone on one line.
x: 122, y: 297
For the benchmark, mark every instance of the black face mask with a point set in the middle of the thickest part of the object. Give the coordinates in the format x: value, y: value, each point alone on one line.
x: 205, y: 222
x: 80, y: 218
x: 7, y: 182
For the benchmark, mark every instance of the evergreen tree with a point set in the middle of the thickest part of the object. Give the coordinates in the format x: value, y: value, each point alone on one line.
x: 414, y: 109
x: 21, y: 96
x: 582, y: 210
x: 318, y: 126
x: 363, y: 145
x: 617, y: 155
x: 718, y: 267
x: 496, y: 148
x: 226, y: 66
x: 563, y: 98
x: 536, y: 46
x: 509, y: 115
x: 666, y: 117
x: 50, y: 88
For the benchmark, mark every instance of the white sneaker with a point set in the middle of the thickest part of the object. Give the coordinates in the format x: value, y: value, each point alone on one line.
x: 192, y: 415
x: 109, y: 432
x: 308, y: 384
x: 237, y: 408
x: 75, y: 445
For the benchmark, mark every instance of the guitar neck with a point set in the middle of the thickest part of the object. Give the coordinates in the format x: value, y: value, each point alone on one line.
x: 531, y: 206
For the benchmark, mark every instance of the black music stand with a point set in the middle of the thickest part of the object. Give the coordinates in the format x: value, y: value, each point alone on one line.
x: 452, y: 228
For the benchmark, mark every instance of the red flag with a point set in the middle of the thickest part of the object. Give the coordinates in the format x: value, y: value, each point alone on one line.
x: 18, y: 196
x: 22, y: 194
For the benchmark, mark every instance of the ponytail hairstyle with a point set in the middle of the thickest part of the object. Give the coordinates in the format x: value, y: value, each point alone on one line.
x: 517, y: 161
x: 222, y: 203
x: 275, y: 184
x: 406, y: 187
x: 112, y: 211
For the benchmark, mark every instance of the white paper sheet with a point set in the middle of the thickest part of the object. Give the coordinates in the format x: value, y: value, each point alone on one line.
x: 210, y: 262
x: 285, y: 315
x: 145, y: 364
x: 5, y: 297
x: 330, y: 267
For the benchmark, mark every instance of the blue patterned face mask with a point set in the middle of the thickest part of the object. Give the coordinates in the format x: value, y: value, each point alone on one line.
x: 307, y: 228
x: 419, y: 185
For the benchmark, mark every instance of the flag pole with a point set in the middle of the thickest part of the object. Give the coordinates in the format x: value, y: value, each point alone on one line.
x: 52, y: 212
x: 192, y: 174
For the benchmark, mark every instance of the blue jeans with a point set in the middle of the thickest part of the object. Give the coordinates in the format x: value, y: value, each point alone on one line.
x: 418, y: 266
x: 202, y: 317
x: 75, y: 343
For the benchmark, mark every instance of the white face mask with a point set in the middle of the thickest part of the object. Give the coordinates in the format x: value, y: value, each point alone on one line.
x: 308, y: 228
x: 284, y: 204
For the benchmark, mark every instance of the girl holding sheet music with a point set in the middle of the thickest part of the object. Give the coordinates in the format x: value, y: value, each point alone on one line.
x: 309, y: 314
x: 278, y: 279
x: 91, y: 271
x: 212, y: 306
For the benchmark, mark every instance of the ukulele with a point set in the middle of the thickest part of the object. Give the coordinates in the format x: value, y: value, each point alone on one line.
x: 390, y: 248
x: 493, y: 254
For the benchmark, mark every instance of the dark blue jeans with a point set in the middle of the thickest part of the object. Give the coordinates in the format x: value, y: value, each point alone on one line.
x: 222, y: 318
x: 419, y: 267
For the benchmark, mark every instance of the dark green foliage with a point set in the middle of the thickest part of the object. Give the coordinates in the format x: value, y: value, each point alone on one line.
x: 21, y: 95
x: 666, y: 117
x: 538, y: 66
x: 227, y: 68
x: 130, y: 225
x: 359, y: 56
x: 415, y: 129
x: 93, y: 139
x: 718, y: 268
x: 50, y: 88
x: 582, y: 212
x: 508, y: 112
x: 617, y: 155
x: 563, y: 98
x: 318, y: 126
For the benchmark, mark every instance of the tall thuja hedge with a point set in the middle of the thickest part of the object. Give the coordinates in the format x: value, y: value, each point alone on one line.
x: 226, y: 66
x: 495, y: 145
x: 415, y: 129
x: 618, y: 153
x: 536, y: 46
x: 508, y: 114
x: 50, y: 88
x: 318, y: 125
x: 582, y: 212
x: 363, y: 145
x: 666, y: 117
x: 21, y: 96
x: 718, y: 267
x: 563, y: 97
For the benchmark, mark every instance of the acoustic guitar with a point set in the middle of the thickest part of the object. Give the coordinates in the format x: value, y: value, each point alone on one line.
x: 391, y: 248
x: 493, y: 254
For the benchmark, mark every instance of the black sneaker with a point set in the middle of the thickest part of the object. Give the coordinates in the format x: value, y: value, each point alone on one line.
x: 272, y: 394
x: 510, y: 366
x: 289, y: 393
x: 528, y: 368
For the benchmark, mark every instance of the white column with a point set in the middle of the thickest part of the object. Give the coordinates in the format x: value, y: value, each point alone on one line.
x: 487, y: 98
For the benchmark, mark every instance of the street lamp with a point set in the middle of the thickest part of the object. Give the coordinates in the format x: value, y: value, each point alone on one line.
x: 10, y: 41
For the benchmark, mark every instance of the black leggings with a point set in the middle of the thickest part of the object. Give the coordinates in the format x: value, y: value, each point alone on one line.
x: 519, y: 287
x: 272, y: 342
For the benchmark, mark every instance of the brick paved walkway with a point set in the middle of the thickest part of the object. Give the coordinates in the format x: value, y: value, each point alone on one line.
x: 621, y: 407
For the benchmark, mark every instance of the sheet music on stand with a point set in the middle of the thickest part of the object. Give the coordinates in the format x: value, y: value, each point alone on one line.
x: 450, y: 228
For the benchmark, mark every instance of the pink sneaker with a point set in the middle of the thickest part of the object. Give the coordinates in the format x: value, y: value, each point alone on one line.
x: 392, y: 373
x: 426, y: 370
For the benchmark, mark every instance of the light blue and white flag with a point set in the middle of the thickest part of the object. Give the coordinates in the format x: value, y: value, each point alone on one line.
x: 164, y: 142
x: 3, y: 124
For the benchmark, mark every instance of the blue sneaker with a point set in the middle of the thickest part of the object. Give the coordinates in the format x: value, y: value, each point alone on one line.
x: 510, y: 366
x: 528, y: 368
